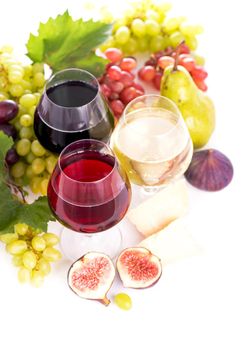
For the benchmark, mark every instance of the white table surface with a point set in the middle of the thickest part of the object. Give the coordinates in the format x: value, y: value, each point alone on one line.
x: 199, y: 302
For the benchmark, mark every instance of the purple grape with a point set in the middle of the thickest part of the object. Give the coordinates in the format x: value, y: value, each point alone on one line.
x: 8, y: 110
x: 11, y: 157
x: 9, y: 130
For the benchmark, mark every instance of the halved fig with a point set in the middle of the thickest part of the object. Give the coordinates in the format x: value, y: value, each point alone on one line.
x: 138, y: 267
x: 91, y: 276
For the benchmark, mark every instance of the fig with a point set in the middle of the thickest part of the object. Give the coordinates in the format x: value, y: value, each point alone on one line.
x: 91, y: 276
x: 209, y: 170
x: 138, y: 267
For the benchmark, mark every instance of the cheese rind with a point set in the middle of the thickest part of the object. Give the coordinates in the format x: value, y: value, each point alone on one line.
x: 157, y: 212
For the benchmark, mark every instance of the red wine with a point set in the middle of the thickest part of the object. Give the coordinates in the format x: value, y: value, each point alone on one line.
x: 71, y: 111
x: 89, y: 194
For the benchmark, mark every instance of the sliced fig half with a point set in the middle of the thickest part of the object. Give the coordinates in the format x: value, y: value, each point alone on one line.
x: 91, y: 276
x: 138, y: 267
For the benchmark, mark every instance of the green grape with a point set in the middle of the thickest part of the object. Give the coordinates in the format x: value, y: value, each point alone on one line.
x: 15, y: 68
x: 191, y: 30
x: 31, y: 111
x: 39, y: 79
x: 153, y: 15
x: 143, y: 45
x: 51, y: 239
x: 38, y: 243
x: 152, y: 27
x: 17, y: 260
x: 28, y: 100
x: 43, y: 266
x: 38, y: 96
x: 163, y: 7
x: 51, y: 254
x: 24, y: 275
x: 35, y: 184
x: 157, y: 43
x: 27, y: 85
x: 138, y: 27
x: 37, y: 278
x: 8, y: 237
x: 17, y: 247
x: 176, y: 38
x: 22, y: 110
x: 23, y: 147
x: 18, y: 169
x: 119, y: 23
x: 200, y: 61
x: 37, y: 68
x: 16, y: 90
x: 21, y: 229
x: 6, y: 48
x: 131, y: 47
x: 44, y: 187
x: 26, y: 133
x: 191, y: 42
x: 15, y: 77
x: 29, y: 260
x: 17, y: 125
x: 37, y: 149
x: 26, y: 120
x: 50, y: 163
x: 123, y: 301
x: 29, y: 173
x: 38, y: 166
x: 3, y: 96
x: 122, y: 35
x: 28, y: 70
x: 30, y: 157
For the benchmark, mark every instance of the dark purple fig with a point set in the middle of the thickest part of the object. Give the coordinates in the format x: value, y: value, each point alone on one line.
x: 8, y: 110
x: 210, y: 170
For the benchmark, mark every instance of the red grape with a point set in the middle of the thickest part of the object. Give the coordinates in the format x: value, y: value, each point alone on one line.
x: 199, y: 73
x: 117, y: 107
x: 157, y: 80
x: 187, y: 61
x: 126, y: 79
x: 105, y: 90
x: 151, y: 62
x: 184, y: 49
x: 113, y: 54
x: 138, y: 87
x: 128, y: 94
x: 147, y: 73
x: 114, y: 96
x: 201, y: 84
x: 139, y: 93
x: 114, y: 72
x: 8, y: 110
x: 9, y: 130
x: 165, y: 61
x: 11, y: 157
x: 128, y: 63
x: 116, y: 86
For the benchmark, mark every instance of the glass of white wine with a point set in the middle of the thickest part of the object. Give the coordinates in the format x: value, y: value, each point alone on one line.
x: 152, y: 142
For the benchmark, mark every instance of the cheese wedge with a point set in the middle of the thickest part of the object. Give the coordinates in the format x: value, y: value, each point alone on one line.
x: 173, y: 243
x: 162, y: 208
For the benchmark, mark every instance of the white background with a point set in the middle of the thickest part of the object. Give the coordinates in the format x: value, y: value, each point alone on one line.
x: 198, y: 303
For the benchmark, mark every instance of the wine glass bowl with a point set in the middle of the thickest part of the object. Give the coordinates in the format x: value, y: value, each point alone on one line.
x: 88, y: 191
x: 152, y: 142
x: 72, y: 108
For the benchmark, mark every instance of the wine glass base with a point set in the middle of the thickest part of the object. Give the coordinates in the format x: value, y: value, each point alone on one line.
x: 74, y: 244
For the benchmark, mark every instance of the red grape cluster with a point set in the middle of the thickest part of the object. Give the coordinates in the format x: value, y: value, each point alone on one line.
x: 153, y: 69
x: 118, y: 82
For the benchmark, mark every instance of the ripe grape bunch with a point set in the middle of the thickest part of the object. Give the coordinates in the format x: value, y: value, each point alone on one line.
x: 20, y: 90
x: 154, y: 67
x: 146, y: 26
x: 32, y: 252
x: 118, y: 83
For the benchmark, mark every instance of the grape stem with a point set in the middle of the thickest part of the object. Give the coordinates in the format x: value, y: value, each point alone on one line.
x: 176, y: 59
x: 18, y: 191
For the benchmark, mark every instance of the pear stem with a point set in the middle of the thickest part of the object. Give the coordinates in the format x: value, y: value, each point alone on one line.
x: 177, y: 51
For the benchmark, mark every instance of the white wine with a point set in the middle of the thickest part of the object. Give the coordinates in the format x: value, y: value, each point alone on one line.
x: 153, y: 145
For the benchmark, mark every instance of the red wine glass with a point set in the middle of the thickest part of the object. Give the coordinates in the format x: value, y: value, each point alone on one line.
x: 89, y: 193
x: 72, y: 108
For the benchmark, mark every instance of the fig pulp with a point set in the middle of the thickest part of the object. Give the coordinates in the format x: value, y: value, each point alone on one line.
x: 210, y: 170
x: 138, y: 267
x: 91, y: 276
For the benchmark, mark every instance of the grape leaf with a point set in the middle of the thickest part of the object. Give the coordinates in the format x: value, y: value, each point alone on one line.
x: 12, y: 211
x: 62, y: 43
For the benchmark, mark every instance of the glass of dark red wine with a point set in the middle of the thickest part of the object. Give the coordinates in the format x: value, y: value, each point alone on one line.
x: 72, y: 108
x: 89, y: 193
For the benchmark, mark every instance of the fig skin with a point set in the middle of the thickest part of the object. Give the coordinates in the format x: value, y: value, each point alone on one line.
x: 104, y: 300
x: 139, y: 249
x: 210, y: 170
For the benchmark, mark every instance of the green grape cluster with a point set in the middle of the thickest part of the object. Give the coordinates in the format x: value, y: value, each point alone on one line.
x: 146, y: 26
x: 24, y: 84
x: 32, y: 252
